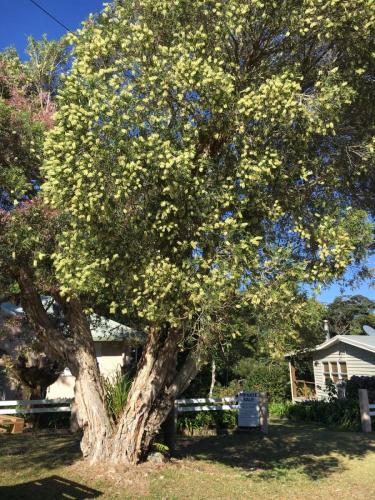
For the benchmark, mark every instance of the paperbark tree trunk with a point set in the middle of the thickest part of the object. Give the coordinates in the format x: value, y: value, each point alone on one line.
x: 213, y: 378
x: 78, y: 353
x: 152, y: 396
x: 91, y: 411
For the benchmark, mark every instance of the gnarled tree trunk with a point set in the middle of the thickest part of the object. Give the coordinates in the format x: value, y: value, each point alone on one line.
x: 78, y: 353
x: 151, y: 398
x: 91, y: 410
x: 152, y: 395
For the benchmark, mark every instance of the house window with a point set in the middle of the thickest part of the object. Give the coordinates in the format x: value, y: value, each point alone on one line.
x: 326, y: 373
x: 335, y: 371
x: 343, y: 370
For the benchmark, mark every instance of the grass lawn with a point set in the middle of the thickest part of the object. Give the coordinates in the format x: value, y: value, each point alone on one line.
x: 294, y: 461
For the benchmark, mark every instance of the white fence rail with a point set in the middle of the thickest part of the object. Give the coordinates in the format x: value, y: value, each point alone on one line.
x: 203, y: 404
x: 254, y: 408
x: 27, y: 406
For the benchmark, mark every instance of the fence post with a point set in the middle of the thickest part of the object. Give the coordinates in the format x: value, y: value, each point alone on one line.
x: 170, y: 429
x: 263, y: 412
x: 365, y: 410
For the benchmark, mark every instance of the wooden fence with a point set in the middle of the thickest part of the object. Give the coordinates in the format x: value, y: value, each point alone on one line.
x: 35, y: 406
x: 221, y: 404
x: 27, y: 406
x: 206, y: 404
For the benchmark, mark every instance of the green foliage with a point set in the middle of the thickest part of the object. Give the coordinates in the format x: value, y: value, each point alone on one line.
x: 279, y: 409
x: 116, y: 391
x: 265, y: 376
x: 26, y: 112
x: 21, y: 142
x: 347, y: 315
x: 47, y: 60
x: 198, y: 151
x: 331, y: 390
x: 160, y: 447
x: 205, y: 420
x: 355, y: 383
x: 339, y: 413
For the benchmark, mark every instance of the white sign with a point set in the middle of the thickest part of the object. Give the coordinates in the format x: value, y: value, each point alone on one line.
x: 248, y: 409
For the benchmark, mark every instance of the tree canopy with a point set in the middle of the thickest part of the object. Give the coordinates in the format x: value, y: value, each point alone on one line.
x: 27, y: 228
x: 199, y: 151
x: 348, y: 315
x: 200, y: 168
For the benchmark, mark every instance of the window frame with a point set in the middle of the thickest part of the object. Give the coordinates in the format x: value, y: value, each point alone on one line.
x: 335, y: 373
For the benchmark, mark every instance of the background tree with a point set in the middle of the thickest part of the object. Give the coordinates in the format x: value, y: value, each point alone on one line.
x: 25, y: 362
x: 348, y: 315
x: 198, y: 156
x: 26, y: 111
x: 250, y: 342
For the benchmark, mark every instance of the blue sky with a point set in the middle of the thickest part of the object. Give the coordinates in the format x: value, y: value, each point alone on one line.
x: 329, y: 294
x: 20, y: 18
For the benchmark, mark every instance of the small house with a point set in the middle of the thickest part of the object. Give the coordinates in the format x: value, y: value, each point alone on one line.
x: 336, y: 360
x: 116, y: 348
x: 116, y: 345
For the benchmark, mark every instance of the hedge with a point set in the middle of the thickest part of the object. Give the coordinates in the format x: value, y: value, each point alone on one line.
x: 339, y: 413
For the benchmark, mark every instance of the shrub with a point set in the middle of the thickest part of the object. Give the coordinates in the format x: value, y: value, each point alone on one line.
x: 50, y: 420
x: 279, y: 409
x: 116, y: 391
x: 341, y: 414
x: 260, y: 375
x: 355, y: 383
x: 205, y: 420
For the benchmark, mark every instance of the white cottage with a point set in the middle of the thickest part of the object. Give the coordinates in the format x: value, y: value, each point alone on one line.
x: 337, y: 360
x: 116, y: 346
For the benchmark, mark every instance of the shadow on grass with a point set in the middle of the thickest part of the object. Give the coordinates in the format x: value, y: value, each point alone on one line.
x: 33, y: 451
x: 289, y: 448
x: 49, y: 488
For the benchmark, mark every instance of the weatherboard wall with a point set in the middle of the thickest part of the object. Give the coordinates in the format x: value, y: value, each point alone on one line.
x: 110, y: 357
x: 358, y: 361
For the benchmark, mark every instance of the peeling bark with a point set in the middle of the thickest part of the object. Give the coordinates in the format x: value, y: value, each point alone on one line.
x: 213, y: 378
x: 152, y: 396
x: 91, y: 410
x: 78, y: 354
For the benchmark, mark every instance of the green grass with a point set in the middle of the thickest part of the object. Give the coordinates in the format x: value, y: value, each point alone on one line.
x: 294, y: 461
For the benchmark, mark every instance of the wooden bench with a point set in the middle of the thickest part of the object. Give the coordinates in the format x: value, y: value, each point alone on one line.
x: 16, y: 424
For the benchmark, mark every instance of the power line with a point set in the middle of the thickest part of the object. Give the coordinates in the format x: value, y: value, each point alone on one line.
x: 50, y: 15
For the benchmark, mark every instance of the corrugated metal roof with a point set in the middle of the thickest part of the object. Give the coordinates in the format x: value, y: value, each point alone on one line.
x: 366, y: 342
x: 361, y: 341
x: 107, y: 330
x: 102, y: 329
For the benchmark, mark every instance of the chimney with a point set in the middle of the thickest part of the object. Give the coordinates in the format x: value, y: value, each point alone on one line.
x: 326, y: 329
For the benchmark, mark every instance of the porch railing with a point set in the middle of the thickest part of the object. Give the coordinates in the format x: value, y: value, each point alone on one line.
x: 305, y: 389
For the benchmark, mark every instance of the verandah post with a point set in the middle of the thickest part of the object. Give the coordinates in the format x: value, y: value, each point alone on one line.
x: 365, y: 410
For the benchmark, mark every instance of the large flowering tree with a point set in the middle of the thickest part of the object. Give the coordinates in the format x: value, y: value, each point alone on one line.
x: 200, y: 156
